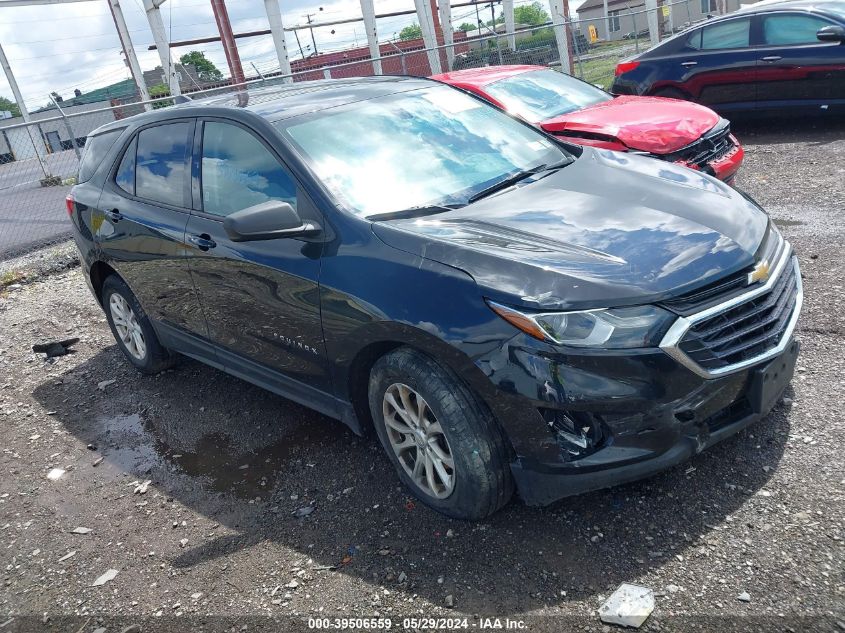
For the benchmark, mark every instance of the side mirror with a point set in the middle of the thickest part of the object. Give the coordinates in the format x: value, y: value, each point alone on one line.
x: 832, y: 33
x: 269, y: 220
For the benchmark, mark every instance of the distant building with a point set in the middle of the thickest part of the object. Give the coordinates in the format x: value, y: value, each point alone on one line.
x: 188, y: 77
x: 623, y: 24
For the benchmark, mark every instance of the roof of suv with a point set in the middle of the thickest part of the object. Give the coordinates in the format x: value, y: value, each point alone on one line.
x: 284, y: 101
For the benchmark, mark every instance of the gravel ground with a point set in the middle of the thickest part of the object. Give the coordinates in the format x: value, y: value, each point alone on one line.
x: 746, y: 536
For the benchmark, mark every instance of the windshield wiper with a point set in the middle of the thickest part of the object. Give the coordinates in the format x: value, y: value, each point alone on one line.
x: 414, y: 212
x: 515, y: 178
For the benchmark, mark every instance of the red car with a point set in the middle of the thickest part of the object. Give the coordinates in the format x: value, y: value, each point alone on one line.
x: 669, y: 129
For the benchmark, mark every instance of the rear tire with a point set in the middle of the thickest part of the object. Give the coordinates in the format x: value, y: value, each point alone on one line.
x: 442, y: 440
x: 132, y: 329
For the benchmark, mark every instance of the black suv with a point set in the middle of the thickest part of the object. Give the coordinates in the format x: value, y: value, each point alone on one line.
x: 503, y: 309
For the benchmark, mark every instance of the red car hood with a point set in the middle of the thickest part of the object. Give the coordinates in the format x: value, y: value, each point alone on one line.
x: 649, y: 124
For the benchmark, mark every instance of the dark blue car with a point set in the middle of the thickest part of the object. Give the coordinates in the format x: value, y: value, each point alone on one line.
x: 771, y: 56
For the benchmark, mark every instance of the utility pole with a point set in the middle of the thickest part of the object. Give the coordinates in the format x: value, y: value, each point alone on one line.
x: 151, y: 7
x: 16, y: 92
x: 308, y: 17
x: 299, y: 44
x: 129, y: 51
x: 368, y: 12
x: 277, y: 30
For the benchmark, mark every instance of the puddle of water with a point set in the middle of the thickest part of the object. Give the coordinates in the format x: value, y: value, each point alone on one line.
x: 141, y: 448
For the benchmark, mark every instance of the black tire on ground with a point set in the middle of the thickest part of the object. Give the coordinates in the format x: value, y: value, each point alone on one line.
x: 671, y: 93
x: 482, y: 478
x: 156, y: 357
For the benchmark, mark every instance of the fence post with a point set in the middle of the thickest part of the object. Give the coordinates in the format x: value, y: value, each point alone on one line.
x: 653, y: 21
x: 68, y: 128
x: 401, y: 58
x: 444, y: 9
x: 577, y: 48
x: 636, y: 32
x: 561, y: 36
x: 255, y: 68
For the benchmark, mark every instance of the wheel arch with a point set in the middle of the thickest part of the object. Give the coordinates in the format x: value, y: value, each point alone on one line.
x: 98, y: 273
x: 383, y: 338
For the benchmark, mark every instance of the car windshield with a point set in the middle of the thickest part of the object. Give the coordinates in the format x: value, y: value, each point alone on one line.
x: 544, y: 94
x: 427, y: 147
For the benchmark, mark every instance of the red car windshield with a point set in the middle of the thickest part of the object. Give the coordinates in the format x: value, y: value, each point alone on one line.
x: 539, y: 95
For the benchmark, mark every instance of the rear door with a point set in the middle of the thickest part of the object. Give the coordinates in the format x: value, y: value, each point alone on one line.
x: 795, y: 68
x: 144, y: 208
x: 721, y: 65
x: 261, y: 298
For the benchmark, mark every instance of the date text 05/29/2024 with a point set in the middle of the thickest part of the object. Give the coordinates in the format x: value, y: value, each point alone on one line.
x: 416, y: 623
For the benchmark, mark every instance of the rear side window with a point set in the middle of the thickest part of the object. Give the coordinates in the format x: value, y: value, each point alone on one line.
x: 731, y: 34
x: 238, y: 171
x: 96, y: 148
x: 786, y: 30
x: 161, y: 168
x: 125, y: 177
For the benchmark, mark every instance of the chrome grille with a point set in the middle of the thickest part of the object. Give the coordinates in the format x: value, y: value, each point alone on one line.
x: 744, y: 330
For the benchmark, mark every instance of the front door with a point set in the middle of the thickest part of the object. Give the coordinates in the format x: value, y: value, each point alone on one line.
x: 261, y: 298
x: 794, y: 67
x: 140, y: 223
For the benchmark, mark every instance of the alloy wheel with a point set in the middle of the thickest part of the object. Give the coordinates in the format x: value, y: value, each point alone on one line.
x: 127, y: 326
x: 417, y: 439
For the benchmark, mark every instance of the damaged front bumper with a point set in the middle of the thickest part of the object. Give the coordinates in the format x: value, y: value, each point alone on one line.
x: 632, y: 440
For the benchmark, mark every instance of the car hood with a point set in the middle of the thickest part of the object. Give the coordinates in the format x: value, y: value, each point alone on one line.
x: 611, y: 229
x: 648, y: 124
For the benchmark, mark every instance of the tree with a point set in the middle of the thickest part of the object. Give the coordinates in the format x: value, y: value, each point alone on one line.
x: 466, y: 26
x: 206, y: 70
x: 533, y: 14
x: 157, y: 91
x: 11, y: 106
x: 411, y: 32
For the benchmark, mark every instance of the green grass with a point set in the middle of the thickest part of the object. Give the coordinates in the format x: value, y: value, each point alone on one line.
x: 597, y: 71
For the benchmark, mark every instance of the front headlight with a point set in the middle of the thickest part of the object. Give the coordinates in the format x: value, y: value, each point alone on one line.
x: 614, y: 328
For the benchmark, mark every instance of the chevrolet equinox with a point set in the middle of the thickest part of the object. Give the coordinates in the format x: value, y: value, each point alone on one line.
x: 505, y: 310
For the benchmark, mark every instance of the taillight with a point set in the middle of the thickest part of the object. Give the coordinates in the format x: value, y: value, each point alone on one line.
x: 69, y: 204
x: 625, y: 67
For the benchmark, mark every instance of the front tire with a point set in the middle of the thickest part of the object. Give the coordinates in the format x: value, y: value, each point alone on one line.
x: 132, y: 329
x: 445, y: 445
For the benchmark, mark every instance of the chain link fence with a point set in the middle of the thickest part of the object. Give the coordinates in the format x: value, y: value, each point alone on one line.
x: 39, y: 160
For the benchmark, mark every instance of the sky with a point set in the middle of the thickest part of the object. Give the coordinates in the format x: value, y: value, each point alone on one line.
x: 66, y: 46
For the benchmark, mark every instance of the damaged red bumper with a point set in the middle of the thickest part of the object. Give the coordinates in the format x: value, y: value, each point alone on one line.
x: 724, y: 165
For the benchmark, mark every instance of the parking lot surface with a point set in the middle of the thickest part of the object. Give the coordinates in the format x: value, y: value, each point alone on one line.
x: 746, y: 536
x: 29, y: 213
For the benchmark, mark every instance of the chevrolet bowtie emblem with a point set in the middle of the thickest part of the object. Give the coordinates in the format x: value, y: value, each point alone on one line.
x: 760, y: 272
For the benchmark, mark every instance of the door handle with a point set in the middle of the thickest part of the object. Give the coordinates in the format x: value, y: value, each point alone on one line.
x: 689, y: 64
x: 113, y: 215
x: 771, y: 58
x: 202, y: 242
